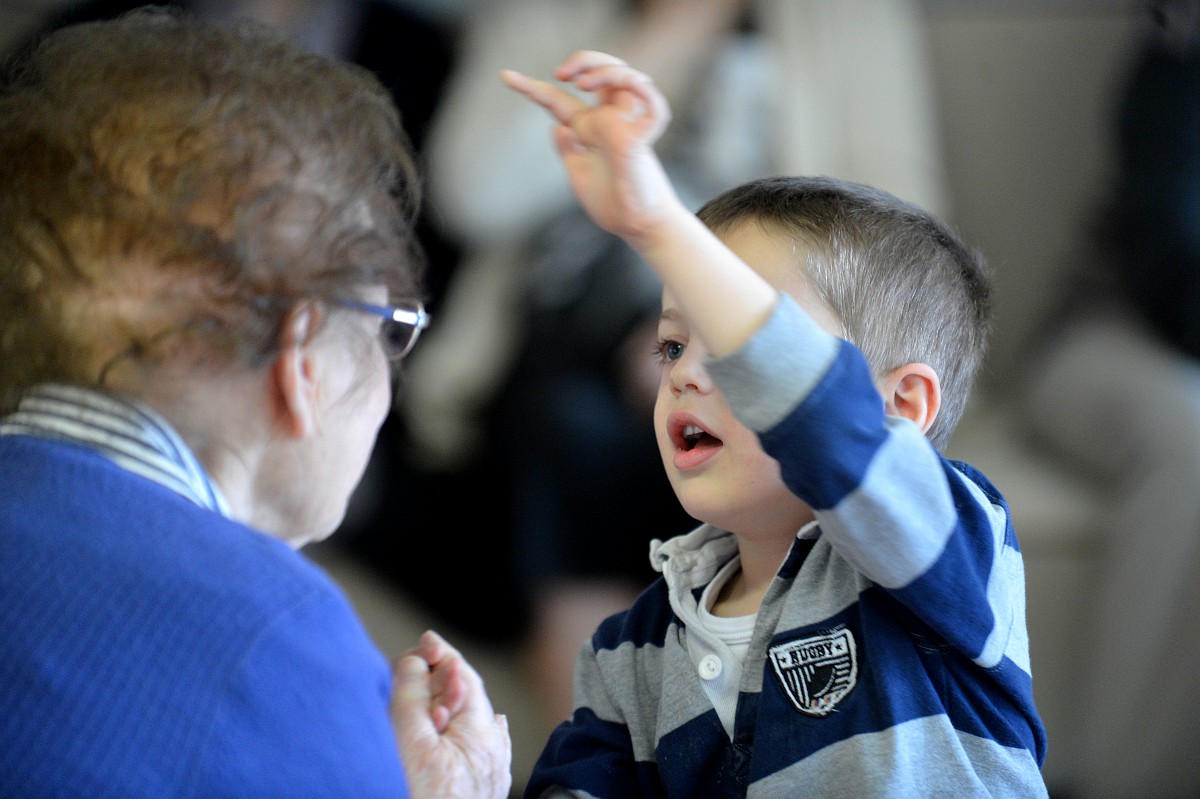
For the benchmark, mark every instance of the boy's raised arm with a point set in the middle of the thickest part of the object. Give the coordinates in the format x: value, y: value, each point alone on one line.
x: 608, y: 151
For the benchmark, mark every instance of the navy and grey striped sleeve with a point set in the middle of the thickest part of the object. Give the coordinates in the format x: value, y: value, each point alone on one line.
x: 933, y: 533
x: 603, y: 752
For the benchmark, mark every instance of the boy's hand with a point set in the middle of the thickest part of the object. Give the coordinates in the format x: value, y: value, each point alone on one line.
x: 454, y: 746
x: 607, y: 148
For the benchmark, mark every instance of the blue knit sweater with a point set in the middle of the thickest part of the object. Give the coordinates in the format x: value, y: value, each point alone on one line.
x: 152, y: 648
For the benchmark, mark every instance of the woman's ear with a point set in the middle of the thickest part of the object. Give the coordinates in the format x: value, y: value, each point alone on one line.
x: 914, y: 392
x: 294, y: 373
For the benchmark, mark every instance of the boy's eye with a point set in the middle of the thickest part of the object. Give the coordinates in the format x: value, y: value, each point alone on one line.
x: 668, y: 350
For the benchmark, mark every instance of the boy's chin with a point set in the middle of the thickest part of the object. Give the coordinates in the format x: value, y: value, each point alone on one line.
x: 701, y: 507
x: 754, y: 520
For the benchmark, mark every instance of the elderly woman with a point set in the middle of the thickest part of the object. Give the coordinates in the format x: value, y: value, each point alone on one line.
x: 206, y: 276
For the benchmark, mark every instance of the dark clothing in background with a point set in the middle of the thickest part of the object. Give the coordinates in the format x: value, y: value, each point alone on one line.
x: 1155, y: 223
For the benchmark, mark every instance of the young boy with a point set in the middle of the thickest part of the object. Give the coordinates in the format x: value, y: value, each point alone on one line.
x: 849, y: 620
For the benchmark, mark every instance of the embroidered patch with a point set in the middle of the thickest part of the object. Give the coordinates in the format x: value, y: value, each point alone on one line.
x: 817, y: 672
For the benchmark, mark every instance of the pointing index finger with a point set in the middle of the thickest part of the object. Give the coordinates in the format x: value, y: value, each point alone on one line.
x: 561, y: 104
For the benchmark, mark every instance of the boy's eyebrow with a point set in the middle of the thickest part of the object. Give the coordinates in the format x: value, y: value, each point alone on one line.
x: 669, y: 315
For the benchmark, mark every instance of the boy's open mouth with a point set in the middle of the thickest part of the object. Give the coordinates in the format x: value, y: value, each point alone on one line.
x: 687, y: 434
x: 695, y: 437
x: 694, y: 446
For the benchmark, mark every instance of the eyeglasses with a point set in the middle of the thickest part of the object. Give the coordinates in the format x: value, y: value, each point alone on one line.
x: 401, y: 326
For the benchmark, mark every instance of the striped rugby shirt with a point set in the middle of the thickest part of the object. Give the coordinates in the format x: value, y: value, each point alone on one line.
x: 890, y: 655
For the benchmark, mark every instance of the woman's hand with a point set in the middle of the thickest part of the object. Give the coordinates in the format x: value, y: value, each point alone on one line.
x: 454, y: 746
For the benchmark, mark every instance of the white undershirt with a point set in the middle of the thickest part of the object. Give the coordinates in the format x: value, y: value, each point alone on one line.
x: 720, y: 665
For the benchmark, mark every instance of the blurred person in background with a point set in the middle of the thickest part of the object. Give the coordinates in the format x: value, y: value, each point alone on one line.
x: 540, y: 372
x: 404, y: 43
x: 1115, y: 391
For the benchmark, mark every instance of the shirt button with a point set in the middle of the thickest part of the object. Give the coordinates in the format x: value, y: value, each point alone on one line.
x: 710, y: 667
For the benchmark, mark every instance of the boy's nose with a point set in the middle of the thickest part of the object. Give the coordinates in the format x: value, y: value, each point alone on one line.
x: 689, y: 374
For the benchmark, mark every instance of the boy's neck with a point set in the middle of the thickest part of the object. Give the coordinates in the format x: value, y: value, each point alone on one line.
x: 743, y: 592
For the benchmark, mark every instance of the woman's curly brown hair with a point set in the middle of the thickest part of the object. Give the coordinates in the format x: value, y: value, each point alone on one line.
x: 170, y: 183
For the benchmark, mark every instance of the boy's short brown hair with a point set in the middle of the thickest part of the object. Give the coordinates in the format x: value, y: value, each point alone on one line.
x: 902, y: 284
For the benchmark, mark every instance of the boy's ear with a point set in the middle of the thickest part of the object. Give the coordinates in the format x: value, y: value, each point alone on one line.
x: 914, y: 392
x: 294, y: 373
